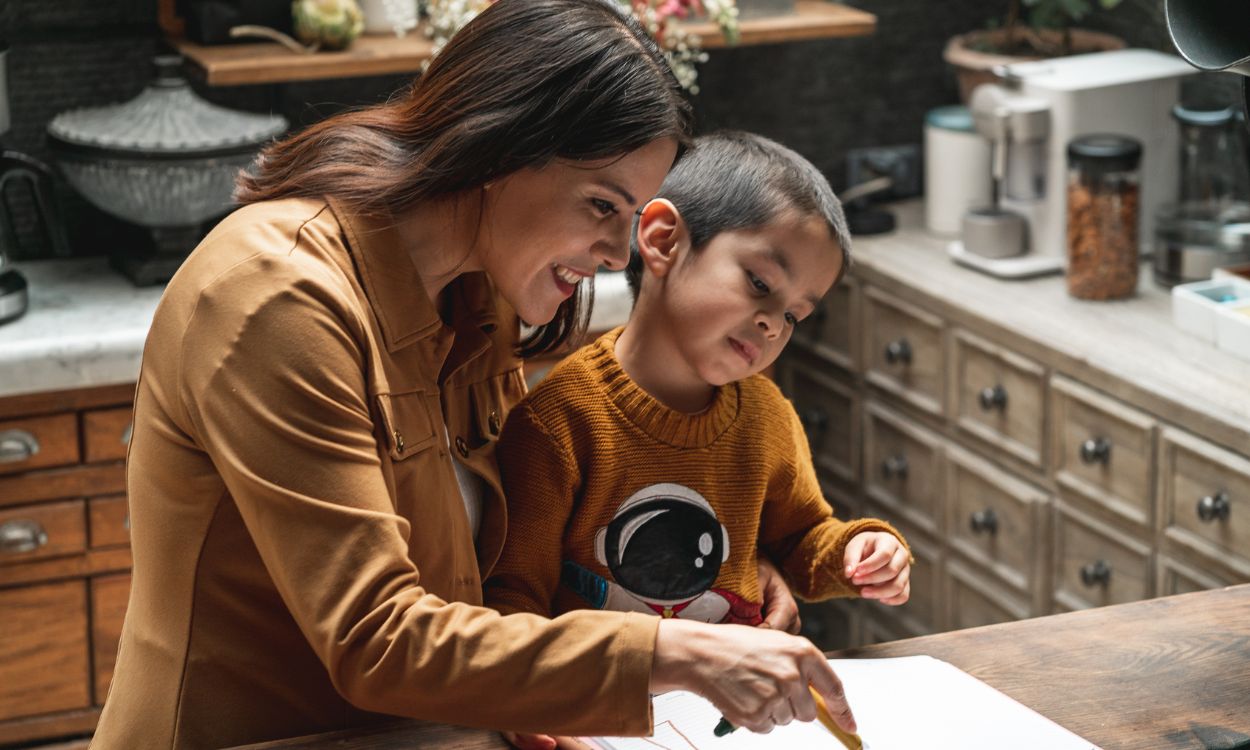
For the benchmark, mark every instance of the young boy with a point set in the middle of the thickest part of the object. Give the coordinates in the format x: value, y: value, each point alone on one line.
x: 649, y: 469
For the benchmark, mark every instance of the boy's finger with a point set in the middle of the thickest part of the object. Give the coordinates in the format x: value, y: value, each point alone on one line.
x: 854, y: 552
x: 872, y: 564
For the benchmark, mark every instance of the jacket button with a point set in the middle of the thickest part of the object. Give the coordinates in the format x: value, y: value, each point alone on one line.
x: 399, y: 441
x: 493, y: 422
x: 462, y: 447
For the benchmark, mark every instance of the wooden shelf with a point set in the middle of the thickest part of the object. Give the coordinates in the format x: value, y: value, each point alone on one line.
x: 267, y: 62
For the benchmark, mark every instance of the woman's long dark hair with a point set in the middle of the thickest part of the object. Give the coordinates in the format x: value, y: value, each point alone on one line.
x: 525, y: 82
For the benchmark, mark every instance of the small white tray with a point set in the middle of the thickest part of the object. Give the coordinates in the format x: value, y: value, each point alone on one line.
x: 1232, y: 328
x: 1194, y: 305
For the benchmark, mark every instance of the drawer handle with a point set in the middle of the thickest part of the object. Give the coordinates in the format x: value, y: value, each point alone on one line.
x: 994, y: 397
x: 894, y: 466
x: 1097, y: 573
x: 984, y: 520
x: 1214, y: 507
x: 898, y: 352
x: 126, y: 433
x: 1096, y: 451
x: 814, y: 422
x: 21, y: 536
x: 17, y: 445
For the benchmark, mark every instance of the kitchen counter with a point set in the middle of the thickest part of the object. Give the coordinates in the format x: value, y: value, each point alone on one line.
x: 87, y: 323
x: 85, y: 327
x: 1128, y: 348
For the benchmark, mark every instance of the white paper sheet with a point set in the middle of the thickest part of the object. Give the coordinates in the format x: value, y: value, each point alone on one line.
x: 902, y: 703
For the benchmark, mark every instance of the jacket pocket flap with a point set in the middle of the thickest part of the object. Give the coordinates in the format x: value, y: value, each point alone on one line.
x: 409, y: 423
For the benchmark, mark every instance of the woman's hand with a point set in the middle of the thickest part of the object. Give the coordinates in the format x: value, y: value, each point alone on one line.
x: 523, y: 741
x: 756, y: 677
x: 781, y: 612
x: 880, y: 565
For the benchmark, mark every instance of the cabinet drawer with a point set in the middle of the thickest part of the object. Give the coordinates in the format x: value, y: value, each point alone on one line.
x: 904, y: 354
x: 36, y: 532
x: 109, y: 595
x: 923, y: 609
x: 1175, y: 577
x: 974, y: 599
x: 831, y: 625
x: 999, y: 397
x: 43, y: 649
x: 38, y: 442
x: 106, y: 434
x: 1103, y: 449
x: 830, y: 417
x: 998, y: 521
x: 832, y: 330
x: 110, y: 521
x: 1095, y: 564
x: 902, y: 467
x: 1205, y: 500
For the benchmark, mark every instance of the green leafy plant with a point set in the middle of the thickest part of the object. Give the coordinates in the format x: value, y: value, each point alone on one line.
x: 1027, y: 17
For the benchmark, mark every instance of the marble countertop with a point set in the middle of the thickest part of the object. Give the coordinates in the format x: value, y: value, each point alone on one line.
x: 86, y: 325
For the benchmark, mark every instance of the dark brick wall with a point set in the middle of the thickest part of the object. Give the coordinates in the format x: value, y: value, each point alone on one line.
x: 820, y: 97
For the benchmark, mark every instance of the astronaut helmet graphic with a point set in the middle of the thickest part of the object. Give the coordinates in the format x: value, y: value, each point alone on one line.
x: 665, y: 544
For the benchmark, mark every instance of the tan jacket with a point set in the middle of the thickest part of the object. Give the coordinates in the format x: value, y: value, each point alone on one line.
x: 302, y: 557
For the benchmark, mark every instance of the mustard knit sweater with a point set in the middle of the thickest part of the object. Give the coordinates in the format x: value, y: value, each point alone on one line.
x: 617, y: 502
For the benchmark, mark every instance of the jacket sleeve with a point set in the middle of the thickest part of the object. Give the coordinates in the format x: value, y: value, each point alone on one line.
x: 273, y: 386
x: 540, y: 480
x: 798, y: 529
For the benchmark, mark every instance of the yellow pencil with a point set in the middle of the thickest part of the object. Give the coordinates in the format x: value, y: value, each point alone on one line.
x: 852, y: 741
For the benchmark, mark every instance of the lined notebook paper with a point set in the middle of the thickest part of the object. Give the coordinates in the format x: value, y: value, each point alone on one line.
x: 902, y: 703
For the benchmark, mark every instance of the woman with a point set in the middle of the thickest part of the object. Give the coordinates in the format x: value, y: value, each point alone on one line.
x: 321, y: 390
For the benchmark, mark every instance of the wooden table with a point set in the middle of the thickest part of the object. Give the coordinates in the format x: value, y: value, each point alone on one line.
x: 1162, y: 674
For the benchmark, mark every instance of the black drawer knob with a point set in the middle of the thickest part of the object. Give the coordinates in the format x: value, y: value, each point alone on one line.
x: 1097, y: 573
x: 984, y: 521
x: 1214, y: 507
x: 898, y: 352
x: 1096, y: 451
x: 894, y: 466
x: 994, y: 397
x: 814, y: 422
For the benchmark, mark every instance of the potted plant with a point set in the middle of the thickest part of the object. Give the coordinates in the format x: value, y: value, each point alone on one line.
x: 1031, y: 30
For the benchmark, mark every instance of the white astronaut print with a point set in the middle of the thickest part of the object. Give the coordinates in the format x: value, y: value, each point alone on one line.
x: 664, y: 549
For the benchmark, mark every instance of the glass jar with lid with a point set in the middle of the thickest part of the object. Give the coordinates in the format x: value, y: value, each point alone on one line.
x: 1103, y: 206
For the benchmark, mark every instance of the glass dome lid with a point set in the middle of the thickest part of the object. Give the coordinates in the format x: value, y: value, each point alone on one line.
x: 166, y: 120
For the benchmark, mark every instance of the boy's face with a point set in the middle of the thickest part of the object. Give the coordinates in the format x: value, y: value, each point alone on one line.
x: 731, y: 308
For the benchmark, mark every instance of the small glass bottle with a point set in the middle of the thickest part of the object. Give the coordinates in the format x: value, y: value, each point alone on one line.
x: 1212, y: 168
x: 1103, y: 205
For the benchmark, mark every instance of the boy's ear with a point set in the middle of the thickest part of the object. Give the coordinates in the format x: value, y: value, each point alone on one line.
x: 661, y: 236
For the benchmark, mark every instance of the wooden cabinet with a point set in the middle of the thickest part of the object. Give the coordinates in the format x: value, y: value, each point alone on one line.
x: 906, y: 354
x: 1027, y: 481
x: 64, y: 558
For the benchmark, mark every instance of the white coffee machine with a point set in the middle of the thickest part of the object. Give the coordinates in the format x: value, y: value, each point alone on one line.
x: 1128, y: 92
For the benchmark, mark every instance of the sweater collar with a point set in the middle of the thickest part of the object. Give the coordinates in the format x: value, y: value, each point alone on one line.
x: 675, y: 428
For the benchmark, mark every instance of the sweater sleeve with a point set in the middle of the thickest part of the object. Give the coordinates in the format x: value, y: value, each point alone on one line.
x: 273, y: 384
x: 539, y: 481
x: 798, y: 529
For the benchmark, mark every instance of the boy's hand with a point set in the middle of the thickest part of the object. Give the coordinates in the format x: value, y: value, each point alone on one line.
x: 880, y: 565
x: 781, y: 612
x: 522, y: 741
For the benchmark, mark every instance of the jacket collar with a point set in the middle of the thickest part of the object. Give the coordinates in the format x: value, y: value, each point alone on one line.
x: 396, y: 292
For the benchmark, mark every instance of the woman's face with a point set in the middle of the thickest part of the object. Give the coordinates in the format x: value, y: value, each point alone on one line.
x: 546, y: 229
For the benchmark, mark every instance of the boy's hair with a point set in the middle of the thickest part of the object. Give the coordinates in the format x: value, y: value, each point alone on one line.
x: 731, y: 180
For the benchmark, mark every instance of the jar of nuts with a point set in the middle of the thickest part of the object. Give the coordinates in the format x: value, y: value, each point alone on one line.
x: 1103, y: 203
